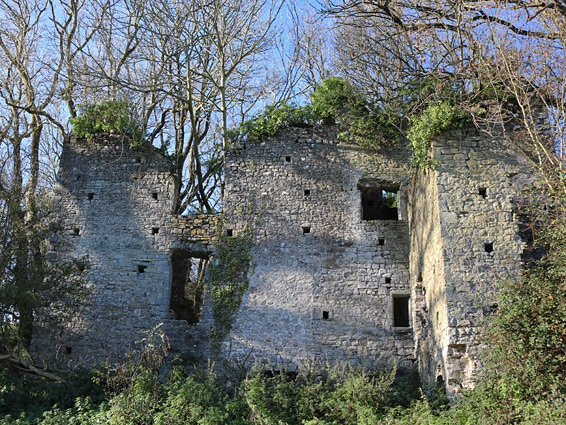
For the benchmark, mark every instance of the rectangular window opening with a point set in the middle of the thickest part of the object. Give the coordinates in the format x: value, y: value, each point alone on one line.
x: 381, y: 241
x: 488, y: 247
x: 229, y: 233
x: 90, y: 196
x: 76, y: 232
x: 287, y: 159
x: 154, y: 230
x: 325, y: 315
x: 141, y: 268
x: 307, y: 192
x: 482, y: 191
x: 387, y: 280
x: 306, y: 230
x: 187, y: 285
x: 154, y: 195
x: 379, y: 203
x: 401, y: 311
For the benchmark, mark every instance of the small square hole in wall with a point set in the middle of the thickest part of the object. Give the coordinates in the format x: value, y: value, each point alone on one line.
x: 306, y: 230
x: 154, y: 195
x: 68, y: 350
x: 287, y: 159
x: 229, y: 232
x: 387, y: 280
x: 482, y: 191
x: 90, y: 196
x: 307, y: 192
x: 488, y: 247
x: 381, y: 241
x: 154, y: 230
x: 325, y: 315
x: 76, y: 232
x: 141, y: 268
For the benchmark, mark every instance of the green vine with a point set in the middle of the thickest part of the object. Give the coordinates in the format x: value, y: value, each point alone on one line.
x: 229, y: 279
x: 113, y: 115
x: 435, y: 119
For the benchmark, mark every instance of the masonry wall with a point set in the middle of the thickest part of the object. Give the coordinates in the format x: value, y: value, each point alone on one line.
x: 116, y: 212
x: 465, y: 242
x: 324, y: 279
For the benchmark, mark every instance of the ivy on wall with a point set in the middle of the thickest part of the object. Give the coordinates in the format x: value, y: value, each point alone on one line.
x: 229, y: 279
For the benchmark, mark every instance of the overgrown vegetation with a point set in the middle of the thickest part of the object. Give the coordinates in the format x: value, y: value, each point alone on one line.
x: 228, y: 276
x: 109, y: 116
x: 30, y: 286
x: 423, y: 128
x: 336, y: 101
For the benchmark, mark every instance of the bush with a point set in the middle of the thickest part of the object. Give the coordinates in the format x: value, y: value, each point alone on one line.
x: 271, y: 119
x: 424, y: 127
x: 347, y: 396
x: 113, y: 115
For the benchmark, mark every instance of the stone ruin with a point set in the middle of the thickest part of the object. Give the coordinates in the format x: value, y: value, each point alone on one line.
x: 356, y: 257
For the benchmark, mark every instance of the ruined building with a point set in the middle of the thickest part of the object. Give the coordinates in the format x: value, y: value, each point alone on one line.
x: 355, y: 256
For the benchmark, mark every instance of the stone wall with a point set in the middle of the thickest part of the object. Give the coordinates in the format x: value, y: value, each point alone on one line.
x: 356, y: 257
x: 324, y: 279
x: 116, y: 208
x: 464, y: 242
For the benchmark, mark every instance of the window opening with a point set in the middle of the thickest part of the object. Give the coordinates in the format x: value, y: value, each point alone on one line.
x: 90, y: 196
x: 68, y: 350
x: 379, y: 203
x: 482, y: 191
x: 306, y: 230
x: 307, y: 192
x: 287, y: 159
x: 325, y: 315
x: 488, y: 247
x: 154, y: 195
x: 401, y: 311
x: 387, y: 280
x: 187, y: 285
x: 154, y: 230
x: 141, y: 268
x: 381, y: 241
x: 76, y: 232
x: 229, y: 232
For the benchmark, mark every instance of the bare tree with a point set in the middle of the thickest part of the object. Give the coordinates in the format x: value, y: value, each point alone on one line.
x: 505, y: 56
x: 38, y: 42
x: 191, y: 66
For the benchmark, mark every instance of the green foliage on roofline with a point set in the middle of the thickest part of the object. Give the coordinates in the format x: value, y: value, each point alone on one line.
x: 108, y: 116
x: 337, y: 102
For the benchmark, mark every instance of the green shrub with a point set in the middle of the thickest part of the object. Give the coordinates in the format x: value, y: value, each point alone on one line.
x: 271, y: 119
x: 113, y: 115
x: 346, y: 396
x: 423, y: 128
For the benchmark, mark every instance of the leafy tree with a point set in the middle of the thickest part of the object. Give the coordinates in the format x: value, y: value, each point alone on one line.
x: 30, y: 285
